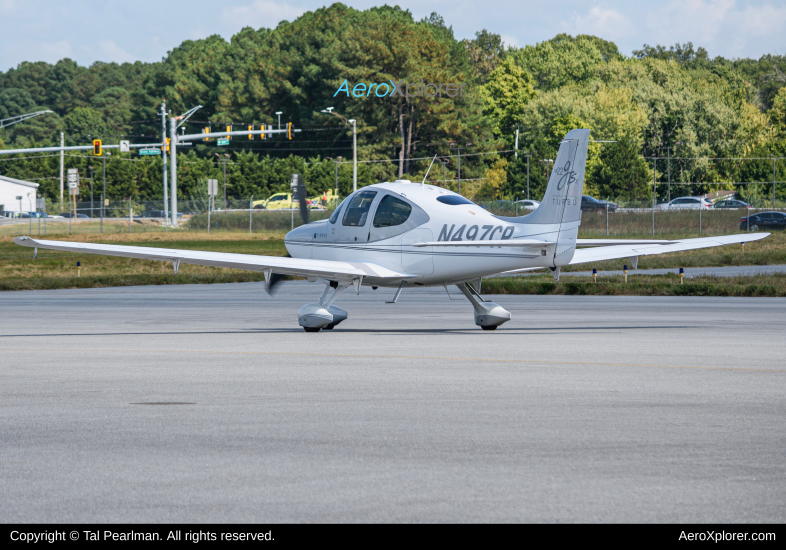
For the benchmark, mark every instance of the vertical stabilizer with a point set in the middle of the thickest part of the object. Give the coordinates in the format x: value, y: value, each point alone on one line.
x: 560, y: 210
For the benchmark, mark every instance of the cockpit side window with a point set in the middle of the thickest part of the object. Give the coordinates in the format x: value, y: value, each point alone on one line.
x: 391, y: 212
x: 337, y: 211
x: 357, y: 211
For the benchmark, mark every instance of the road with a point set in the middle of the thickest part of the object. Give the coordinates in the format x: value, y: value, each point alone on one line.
x: 209, y: 404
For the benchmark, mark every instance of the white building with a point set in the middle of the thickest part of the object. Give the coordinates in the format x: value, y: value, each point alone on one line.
x: 11, y: 189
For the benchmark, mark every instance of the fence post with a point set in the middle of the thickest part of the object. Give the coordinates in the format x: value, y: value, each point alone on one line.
x: 130, y: 214
x: 250, y: 210
x: 653, y: 195
x: 103, y: 204
x: 700, y: 209
x: 607, y: 218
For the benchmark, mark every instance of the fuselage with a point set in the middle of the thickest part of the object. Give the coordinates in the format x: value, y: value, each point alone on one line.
x: 369, y: 228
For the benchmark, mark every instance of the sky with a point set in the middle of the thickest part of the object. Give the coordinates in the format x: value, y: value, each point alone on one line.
x: 109, y: 30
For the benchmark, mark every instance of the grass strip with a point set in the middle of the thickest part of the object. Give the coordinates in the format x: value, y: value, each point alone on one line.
x: 641, y: 285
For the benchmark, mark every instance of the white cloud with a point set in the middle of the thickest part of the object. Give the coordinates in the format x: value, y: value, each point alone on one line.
x: 762, y: 20
x: 697, y: 21
x: 110, y: 51
x: 53, y: 51
x: 509, y: 40
x: 261, y: 13
x: 603, y: 22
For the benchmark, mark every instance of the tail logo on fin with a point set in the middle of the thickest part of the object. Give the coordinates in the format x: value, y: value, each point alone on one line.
x: 568, y: 176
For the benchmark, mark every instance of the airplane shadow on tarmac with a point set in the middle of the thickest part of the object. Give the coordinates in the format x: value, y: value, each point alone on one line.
x: 501, y: 330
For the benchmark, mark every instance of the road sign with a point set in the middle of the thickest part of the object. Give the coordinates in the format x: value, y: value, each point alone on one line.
x: 150, y: 151
x: 212, y: 187
x: 222, y: 141
x: 40, y: 204
x: 124, y: 146
x: 73, y: 178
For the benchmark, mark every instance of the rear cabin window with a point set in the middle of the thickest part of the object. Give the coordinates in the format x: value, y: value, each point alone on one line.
x: 391, y: 211
x: 453, y: 200
x: 357, y: 211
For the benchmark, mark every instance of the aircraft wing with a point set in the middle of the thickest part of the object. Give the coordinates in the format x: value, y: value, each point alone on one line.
x: 586, y: 255
x: 344, y: 271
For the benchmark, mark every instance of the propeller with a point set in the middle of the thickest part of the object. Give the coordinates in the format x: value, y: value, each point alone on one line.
x: 299, y: 186
x: 301, y: 193
x: 275, y: 279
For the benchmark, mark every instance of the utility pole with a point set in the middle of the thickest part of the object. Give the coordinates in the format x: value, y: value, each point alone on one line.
x: 225, y: 183
x: 103, y: 197
x: 62, y: 164
x: 354, y: 155
x: 278, y: 114
x: 517, y: 144
x: 173, y: 168
x: 91, y: 191
x: 163, y: 158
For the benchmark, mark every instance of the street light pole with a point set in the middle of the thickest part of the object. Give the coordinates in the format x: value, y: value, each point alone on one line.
x: 279, y: 113
x: 173, y: 169
x: 163, y: 158
x: 329, y: 111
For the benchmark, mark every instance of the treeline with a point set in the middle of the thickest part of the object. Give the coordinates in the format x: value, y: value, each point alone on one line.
x: 659, y: 102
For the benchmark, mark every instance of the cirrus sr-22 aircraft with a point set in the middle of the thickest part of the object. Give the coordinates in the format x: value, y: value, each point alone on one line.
x: 405, y: 234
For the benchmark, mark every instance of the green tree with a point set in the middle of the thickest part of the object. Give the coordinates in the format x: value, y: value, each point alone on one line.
x: 505, y: 95
x: 622, y: 173
x: 84, y: 123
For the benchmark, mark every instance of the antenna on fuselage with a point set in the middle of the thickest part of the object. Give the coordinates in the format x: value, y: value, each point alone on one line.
x: 422, y: 183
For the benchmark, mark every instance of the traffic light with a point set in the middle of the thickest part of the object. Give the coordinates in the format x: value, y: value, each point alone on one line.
x: 97, y: 147
x: 251, y: 129
x: 229, y: 129
x: 167, y: 144
x: 207, y: 131
x: 262, y: 127
x: 289, y: 130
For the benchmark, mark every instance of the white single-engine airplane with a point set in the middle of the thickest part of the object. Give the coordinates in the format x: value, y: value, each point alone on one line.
x: 405, y: 234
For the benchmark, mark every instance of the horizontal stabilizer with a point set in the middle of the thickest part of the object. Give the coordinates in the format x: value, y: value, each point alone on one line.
x: 587, y: 255
x: 612, y: 242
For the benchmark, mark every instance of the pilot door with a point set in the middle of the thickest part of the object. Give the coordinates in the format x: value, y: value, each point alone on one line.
x: 352, y: 229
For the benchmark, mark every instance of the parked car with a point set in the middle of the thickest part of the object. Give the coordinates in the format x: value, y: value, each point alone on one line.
x: 592, y: 204
x: 8, y: 214
x: 528, y: 204
x: 688, y: 203
x: 764, y: 220
x: 71, y: 215
x: 731, y: 203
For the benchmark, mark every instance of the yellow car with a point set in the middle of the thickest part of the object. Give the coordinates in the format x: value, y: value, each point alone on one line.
x: 278, y: 201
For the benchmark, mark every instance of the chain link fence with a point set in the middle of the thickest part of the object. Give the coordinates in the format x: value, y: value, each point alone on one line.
x: 614, y: 218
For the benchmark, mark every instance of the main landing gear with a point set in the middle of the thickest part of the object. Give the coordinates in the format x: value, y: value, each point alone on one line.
x: 488, y: 315
x: 323, y: 315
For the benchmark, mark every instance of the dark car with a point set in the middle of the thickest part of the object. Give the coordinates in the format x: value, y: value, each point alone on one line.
x: 764, y: 220
x: 71, y: 215
x: 731, y: 203
x: 593, y: 204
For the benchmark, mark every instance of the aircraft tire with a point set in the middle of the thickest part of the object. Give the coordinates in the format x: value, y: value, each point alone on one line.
x: 311, y: 329
x: 329, y: 327
x: 487, y: 327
